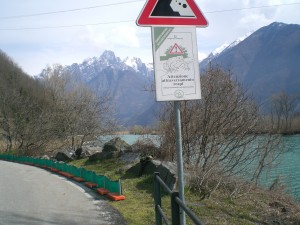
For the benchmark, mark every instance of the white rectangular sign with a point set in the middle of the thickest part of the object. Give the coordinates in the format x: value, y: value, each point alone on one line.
x: 176, y: 63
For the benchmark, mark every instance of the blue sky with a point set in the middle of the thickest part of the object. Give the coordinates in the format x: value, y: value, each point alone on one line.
x: 34, y: 41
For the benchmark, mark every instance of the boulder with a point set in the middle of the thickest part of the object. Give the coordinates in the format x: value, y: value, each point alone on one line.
x: 116, y: 145
x: 104, y: 155
x: 149, y: 166
x: 92, y: 144
x: 95, y: 157
x: 134, y: 169
x: 45, y: 157
x: 130, y: 157
x: 167, y: 170
x: 112, y: 149
x: 91, y: 147
x: 168, y: 173
x: 86, y: 153
x: 64, y: 156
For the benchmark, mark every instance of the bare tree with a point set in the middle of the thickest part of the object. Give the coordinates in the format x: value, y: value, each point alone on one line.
x: 283, y: 109
x: 80, y: 113
x: 218, y: 130
x: 270, y: 147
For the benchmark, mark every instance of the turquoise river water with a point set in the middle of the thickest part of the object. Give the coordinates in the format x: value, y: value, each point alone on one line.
x: 288, y: 168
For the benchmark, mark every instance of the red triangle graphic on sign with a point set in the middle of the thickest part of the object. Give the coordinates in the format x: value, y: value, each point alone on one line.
x: 161, y: 18
x: 176, y: 50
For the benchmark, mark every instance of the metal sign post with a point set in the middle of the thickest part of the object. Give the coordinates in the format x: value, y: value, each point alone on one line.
x: 176, y: 78
x: 179, y: 158
x: 175, y: 52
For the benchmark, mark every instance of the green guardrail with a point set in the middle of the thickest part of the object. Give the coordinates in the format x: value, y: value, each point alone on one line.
x: 90, y: 176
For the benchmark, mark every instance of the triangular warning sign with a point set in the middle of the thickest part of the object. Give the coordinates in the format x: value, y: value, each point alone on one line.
x: 171, y: 12
x: 176, y: 50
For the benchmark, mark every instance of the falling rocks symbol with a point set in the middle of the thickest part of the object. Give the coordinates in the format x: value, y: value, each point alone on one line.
x: 171, y: 12
x: 172, y: 8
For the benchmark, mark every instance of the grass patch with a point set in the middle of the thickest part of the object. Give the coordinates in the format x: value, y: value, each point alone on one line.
x: 139, y: 204
x: 107, y: 168
x: 217, y: 210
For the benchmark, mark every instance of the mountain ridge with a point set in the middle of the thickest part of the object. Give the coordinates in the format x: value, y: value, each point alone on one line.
x: 125, y: 81
x: 266, y: 62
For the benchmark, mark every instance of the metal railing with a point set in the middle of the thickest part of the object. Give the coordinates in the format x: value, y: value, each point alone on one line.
x: 176, y: 205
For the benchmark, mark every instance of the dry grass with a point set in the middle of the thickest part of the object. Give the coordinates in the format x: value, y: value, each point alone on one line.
x: 259, y: 207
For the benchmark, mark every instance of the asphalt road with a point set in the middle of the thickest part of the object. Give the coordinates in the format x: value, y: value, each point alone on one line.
x: 30, y: 196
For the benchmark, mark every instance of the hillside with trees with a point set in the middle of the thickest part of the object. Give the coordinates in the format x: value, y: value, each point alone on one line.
x: 47, y: 113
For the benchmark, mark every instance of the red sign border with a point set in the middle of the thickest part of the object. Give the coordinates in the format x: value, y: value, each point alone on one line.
x: 145, y: 19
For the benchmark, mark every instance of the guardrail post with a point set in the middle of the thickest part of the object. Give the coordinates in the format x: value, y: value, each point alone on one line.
x: 157, y: 199
x: 175, y: 209
x: 120, y: 187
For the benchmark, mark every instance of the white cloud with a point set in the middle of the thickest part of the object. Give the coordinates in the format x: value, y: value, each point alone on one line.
x: 126, y: 36
x: 93, y: 37
x: 109, y: 38
x: 254, y: 20
x: 201, y: 56
x: 33, y: 49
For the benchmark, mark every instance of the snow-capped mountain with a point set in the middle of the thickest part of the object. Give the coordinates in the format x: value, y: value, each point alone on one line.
x: 266, y: 62
x: 91, y: 67
x: 124, y: 80
x: 225, y: 47
x: 139, y: 66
